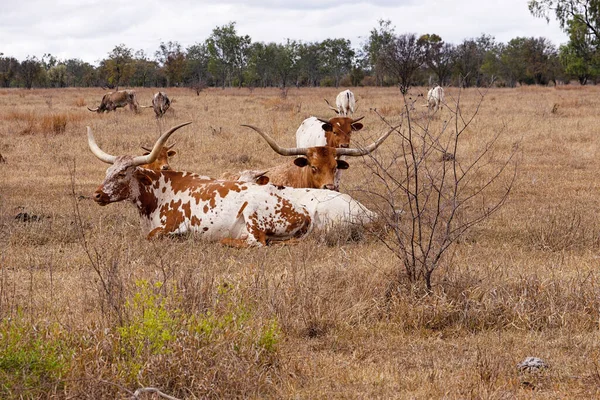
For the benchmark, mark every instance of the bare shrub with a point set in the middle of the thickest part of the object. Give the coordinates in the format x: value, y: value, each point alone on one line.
x: 428, y: 203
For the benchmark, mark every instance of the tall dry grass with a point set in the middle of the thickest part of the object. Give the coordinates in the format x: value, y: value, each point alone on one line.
x: 90, y: 309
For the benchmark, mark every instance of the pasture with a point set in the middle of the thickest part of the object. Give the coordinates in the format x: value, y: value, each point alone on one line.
x: 91, y: 309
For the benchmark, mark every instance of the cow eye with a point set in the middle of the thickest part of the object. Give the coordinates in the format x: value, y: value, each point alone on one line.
x: 122, y: 174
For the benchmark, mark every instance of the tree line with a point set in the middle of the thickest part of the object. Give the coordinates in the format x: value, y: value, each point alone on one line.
x: 227, y: 59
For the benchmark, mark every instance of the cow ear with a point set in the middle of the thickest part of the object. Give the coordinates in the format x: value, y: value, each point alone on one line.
x: 143, y: 178
x: 262, y: 180
x: 357, y: 126
x: 301, y: 162
x: 327, y: 127
x: 171, y: 153
x: 341, y: 164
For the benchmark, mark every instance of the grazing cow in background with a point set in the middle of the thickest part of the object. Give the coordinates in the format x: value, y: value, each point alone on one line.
x: 172, y: 202
x: 435, y: 97
x: 162, y: 161
x: 113, y: 100
x: 317, y: 166
x: 345, y: 104
x: 160, y: 103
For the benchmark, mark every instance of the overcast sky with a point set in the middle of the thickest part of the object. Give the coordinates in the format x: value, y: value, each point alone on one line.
x: 90, y: 29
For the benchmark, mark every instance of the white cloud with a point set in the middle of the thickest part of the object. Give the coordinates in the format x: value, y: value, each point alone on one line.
x: 89, y: 30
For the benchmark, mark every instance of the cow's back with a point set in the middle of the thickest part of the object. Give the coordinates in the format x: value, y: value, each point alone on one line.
x: 311, y: 133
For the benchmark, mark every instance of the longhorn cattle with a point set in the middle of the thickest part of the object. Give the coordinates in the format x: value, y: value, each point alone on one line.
x: 435, y: 97
x: 113, y: 100
x: 334, y: 132
x: 160, y: 104
x: 317, y: 166
x: 345, y: 103
x: 172, y: 202
x: 326, y: 208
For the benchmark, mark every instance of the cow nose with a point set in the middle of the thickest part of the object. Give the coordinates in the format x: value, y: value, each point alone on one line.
x: 345, y: 146
x: 329, y: 187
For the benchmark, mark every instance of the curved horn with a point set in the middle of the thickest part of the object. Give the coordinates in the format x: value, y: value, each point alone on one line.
x: 150, y: 158
x: 169, y: 147
x: 334, y: 109
x: 323, y: 120
x: 284, y: 151
x: 107, y: 158
x: 358, y: 119
x: 366, y: 150
x: 94, y: 110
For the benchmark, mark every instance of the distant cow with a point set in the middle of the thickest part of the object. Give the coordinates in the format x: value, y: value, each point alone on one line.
x: 160, y: 104
x: 435, y: 97
x: 172, y: 202
x: 345, y: 103
x: 113, y: 100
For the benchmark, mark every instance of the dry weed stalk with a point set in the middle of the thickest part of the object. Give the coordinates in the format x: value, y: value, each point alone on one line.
x: 430, y: 195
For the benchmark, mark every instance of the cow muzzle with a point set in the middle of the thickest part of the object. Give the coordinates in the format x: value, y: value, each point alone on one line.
x: 101, y: 198
x: 330, y: 186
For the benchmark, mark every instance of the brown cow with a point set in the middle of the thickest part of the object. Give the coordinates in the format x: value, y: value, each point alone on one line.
x: 162, y: 162
x: 113, y: 100
x: 317, y: 166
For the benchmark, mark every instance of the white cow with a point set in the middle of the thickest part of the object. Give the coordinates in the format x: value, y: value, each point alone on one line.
x: 435, y: 97
x: 345, y: 103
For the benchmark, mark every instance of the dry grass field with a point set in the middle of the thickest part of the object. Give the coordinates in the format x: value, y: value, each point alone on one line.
x: 91, y: 309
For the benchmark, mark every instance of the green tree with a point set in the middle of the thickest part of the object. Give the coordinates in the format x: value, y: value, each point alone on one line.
x: 309, y: 64
x: 8, y: 70
x: 228, y: 54
x: 580, y: 56
x: 581, y: 12
x: 196, y: 67
x: 172, y: 59
x: 380, y: 38
x: 439, y: 57
x: 337, y: 55
x: 470, y: 56
x: 57, y: 76
x: 31, y: 72
x: 118, y: 68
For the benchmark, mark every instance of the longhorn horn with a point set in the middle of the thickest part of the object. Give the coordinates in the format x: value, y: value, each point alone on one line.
x: 169, y: 147
x: 366, y: 150
x: 357, y: 119
x: 323, y: 120
x: 284, y: 151
x: 150, y: 158
x: 98, y: 152
x: 94, y: 110
x: 334, y: 109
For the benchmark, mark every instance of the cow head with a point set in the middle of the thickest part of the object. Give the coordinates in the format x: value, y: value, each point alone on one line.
x: 321, y: 162
x: 338, y: 130
x: 117, y: 185
x: 162, y: 162
x: 320, y: 166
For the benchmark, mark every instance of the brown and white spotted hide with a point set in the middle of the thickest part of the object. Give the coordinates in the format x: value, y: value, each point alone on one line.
x: 173, y: 202
x: 113, y: 100
x: 160, y: 104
